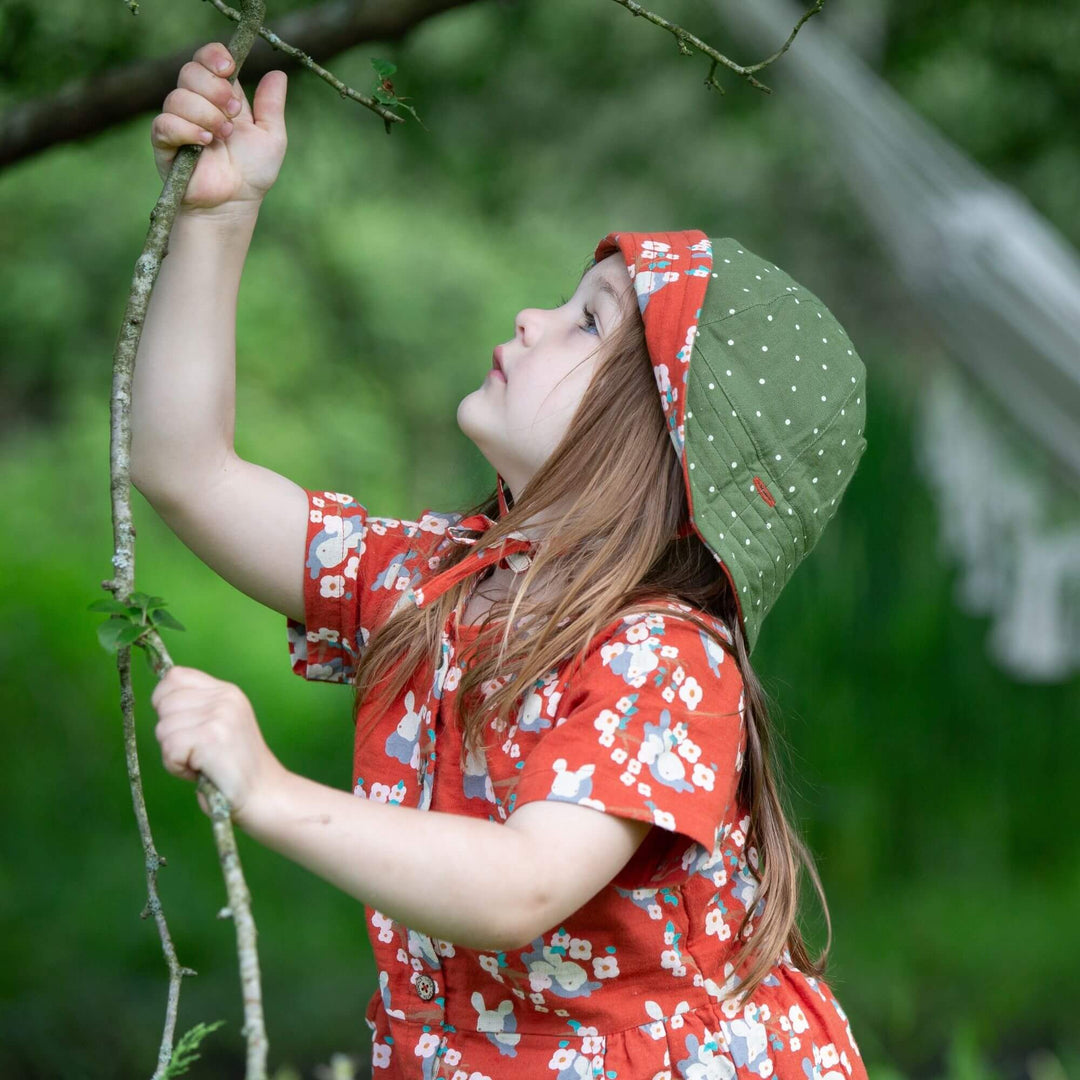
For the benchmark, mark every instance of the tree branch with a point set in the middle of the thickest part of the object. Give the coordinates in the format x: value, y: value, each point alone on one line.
x: 121, y: 585
x: 684, y: 39
x: 85, y: 107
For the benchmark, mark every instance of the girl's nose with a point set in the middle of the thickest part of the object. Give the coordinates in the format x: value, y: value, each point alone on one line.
x: 525, y: 323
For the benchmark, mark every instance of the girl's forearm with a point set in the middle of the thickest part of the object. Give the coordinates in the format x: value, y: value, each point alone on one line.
x: 459, y: 879
x: 183, y: 395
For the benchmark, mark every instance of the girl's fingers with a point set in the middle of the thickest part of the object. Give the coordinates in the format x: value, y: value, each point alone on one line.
x: 174, y: 756
x: 183, y: 678
x: 193, y: 107
x: 170, y: 132
x: 216, y: 89
x: 213, y: 55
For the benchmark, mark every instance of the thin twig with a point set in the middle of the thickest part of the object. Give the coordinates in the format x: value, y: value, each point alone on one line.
x: 122, y: 584
x: 302, y: 57
x: 684, y: 39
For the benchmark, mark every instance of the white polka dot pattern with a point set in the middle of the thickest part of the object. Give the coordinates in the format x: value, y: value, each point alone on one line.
x: 764, y: 482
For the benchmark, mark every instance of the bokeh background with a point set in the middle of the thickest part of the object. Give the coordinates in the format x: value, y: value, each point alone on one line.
x: 936, y: 788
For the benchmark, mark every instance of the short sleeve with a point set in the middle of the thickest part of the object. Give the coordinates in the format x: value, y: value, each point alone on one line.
x: 355, y: 569
x: 652, y: 729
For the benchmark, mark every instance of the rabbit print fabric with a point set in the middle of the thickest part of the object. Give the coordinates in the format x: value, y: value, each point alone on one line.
x: 650, y: 726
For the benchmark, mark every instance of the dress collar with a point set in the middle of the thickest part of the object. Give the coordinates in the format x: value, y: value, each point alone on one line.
x: 515, y: 552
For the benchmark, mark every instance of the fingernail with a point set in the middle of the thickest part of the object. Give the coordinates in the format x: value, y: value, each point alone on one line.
x: 222, y: 66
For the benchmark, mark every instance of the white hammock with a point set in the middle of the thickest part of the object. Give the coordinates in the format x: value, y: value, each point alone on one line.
x: 998, y: 437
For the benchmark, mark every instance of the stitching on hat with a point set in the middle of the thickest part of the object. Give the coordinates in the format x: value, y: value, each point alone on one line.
x: 742, y: 510
x: 741, y: 310
x: 761, y: 459
x: 823, y: 431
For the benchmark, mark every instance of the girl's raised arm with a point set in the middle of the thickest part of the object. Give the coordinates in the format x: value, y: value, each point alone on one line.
x: 244, y: 521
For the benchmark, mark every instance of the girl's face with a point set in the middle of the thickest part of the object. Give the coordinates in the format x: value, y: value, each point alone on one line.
x: 519, y: 416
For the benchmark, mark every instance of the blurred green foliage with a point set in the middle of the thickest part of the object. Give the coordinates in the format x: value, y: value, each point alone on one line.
x: 936, y: 793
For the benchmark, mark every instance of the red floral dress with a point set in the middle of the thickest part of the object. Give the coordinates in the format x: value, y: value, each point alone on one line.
x: 631, y: 985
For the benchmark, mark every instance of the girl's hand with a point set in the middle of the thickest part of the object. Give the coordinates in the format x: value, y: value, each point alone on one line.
x: 208, y: 726
x: 240, y: 165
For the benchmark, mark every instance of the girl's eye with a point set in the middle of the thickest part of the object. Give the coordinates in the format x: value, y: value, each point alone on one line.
x: 590, y: 320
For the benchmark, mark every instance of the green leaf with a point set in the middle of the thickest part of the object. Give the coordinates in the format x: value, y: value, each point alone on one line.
x: 109, y: 604
x: 184, y: 1052
x: 139, y: 598
x: 165, y: 618
x: 129, y: 633
x: 380, y: 95
x: 384, y: 68
x: 109, y: 631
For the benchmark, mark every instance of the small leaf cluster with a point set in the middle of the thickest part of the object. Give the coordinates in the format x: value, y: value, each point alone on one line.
x: 383, y: 90
x: 184, y: 1053
x: 129, y: 621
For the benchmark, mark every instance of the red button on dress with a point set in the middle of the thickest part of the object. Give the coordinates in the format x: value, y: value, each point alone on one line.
x: 632, y: 985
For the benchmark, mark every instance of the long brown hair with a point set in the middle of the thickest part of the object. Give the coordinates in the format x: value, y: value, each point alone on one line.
x: 613, y: 551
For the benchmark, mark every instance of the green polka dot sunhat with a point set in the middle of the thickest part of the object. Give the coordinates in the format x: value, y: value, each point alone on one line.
x: 764, y: 396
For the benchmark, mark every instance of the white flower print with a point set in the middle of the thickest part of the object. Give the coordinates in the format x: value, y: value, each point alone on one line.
x: 668, y: 693
x: 316, y: 516
x: 332, y: 586
x: 689, y: 751
x: 637, y: 633
x: 670, y: 959
x: 678, y: 675
x: 316, y: 501
x: 703, y: 777
x: 605, y: 967
x: 580, y: 948
x: 426, y: 1045
x: 609, y: 651
x: 691, y: 693
x: 607, y: 722
x: 798, y: 1020
x: 430, y: 523
x: 352, y: 566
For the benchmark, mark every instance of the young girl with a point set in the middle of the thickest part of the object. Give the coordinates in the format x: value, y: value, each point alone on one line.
x: 564, y: 827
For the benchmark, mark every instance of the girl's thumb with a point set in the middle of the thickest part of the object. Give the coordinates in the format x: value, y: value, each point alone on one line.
x: 268, y: 108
